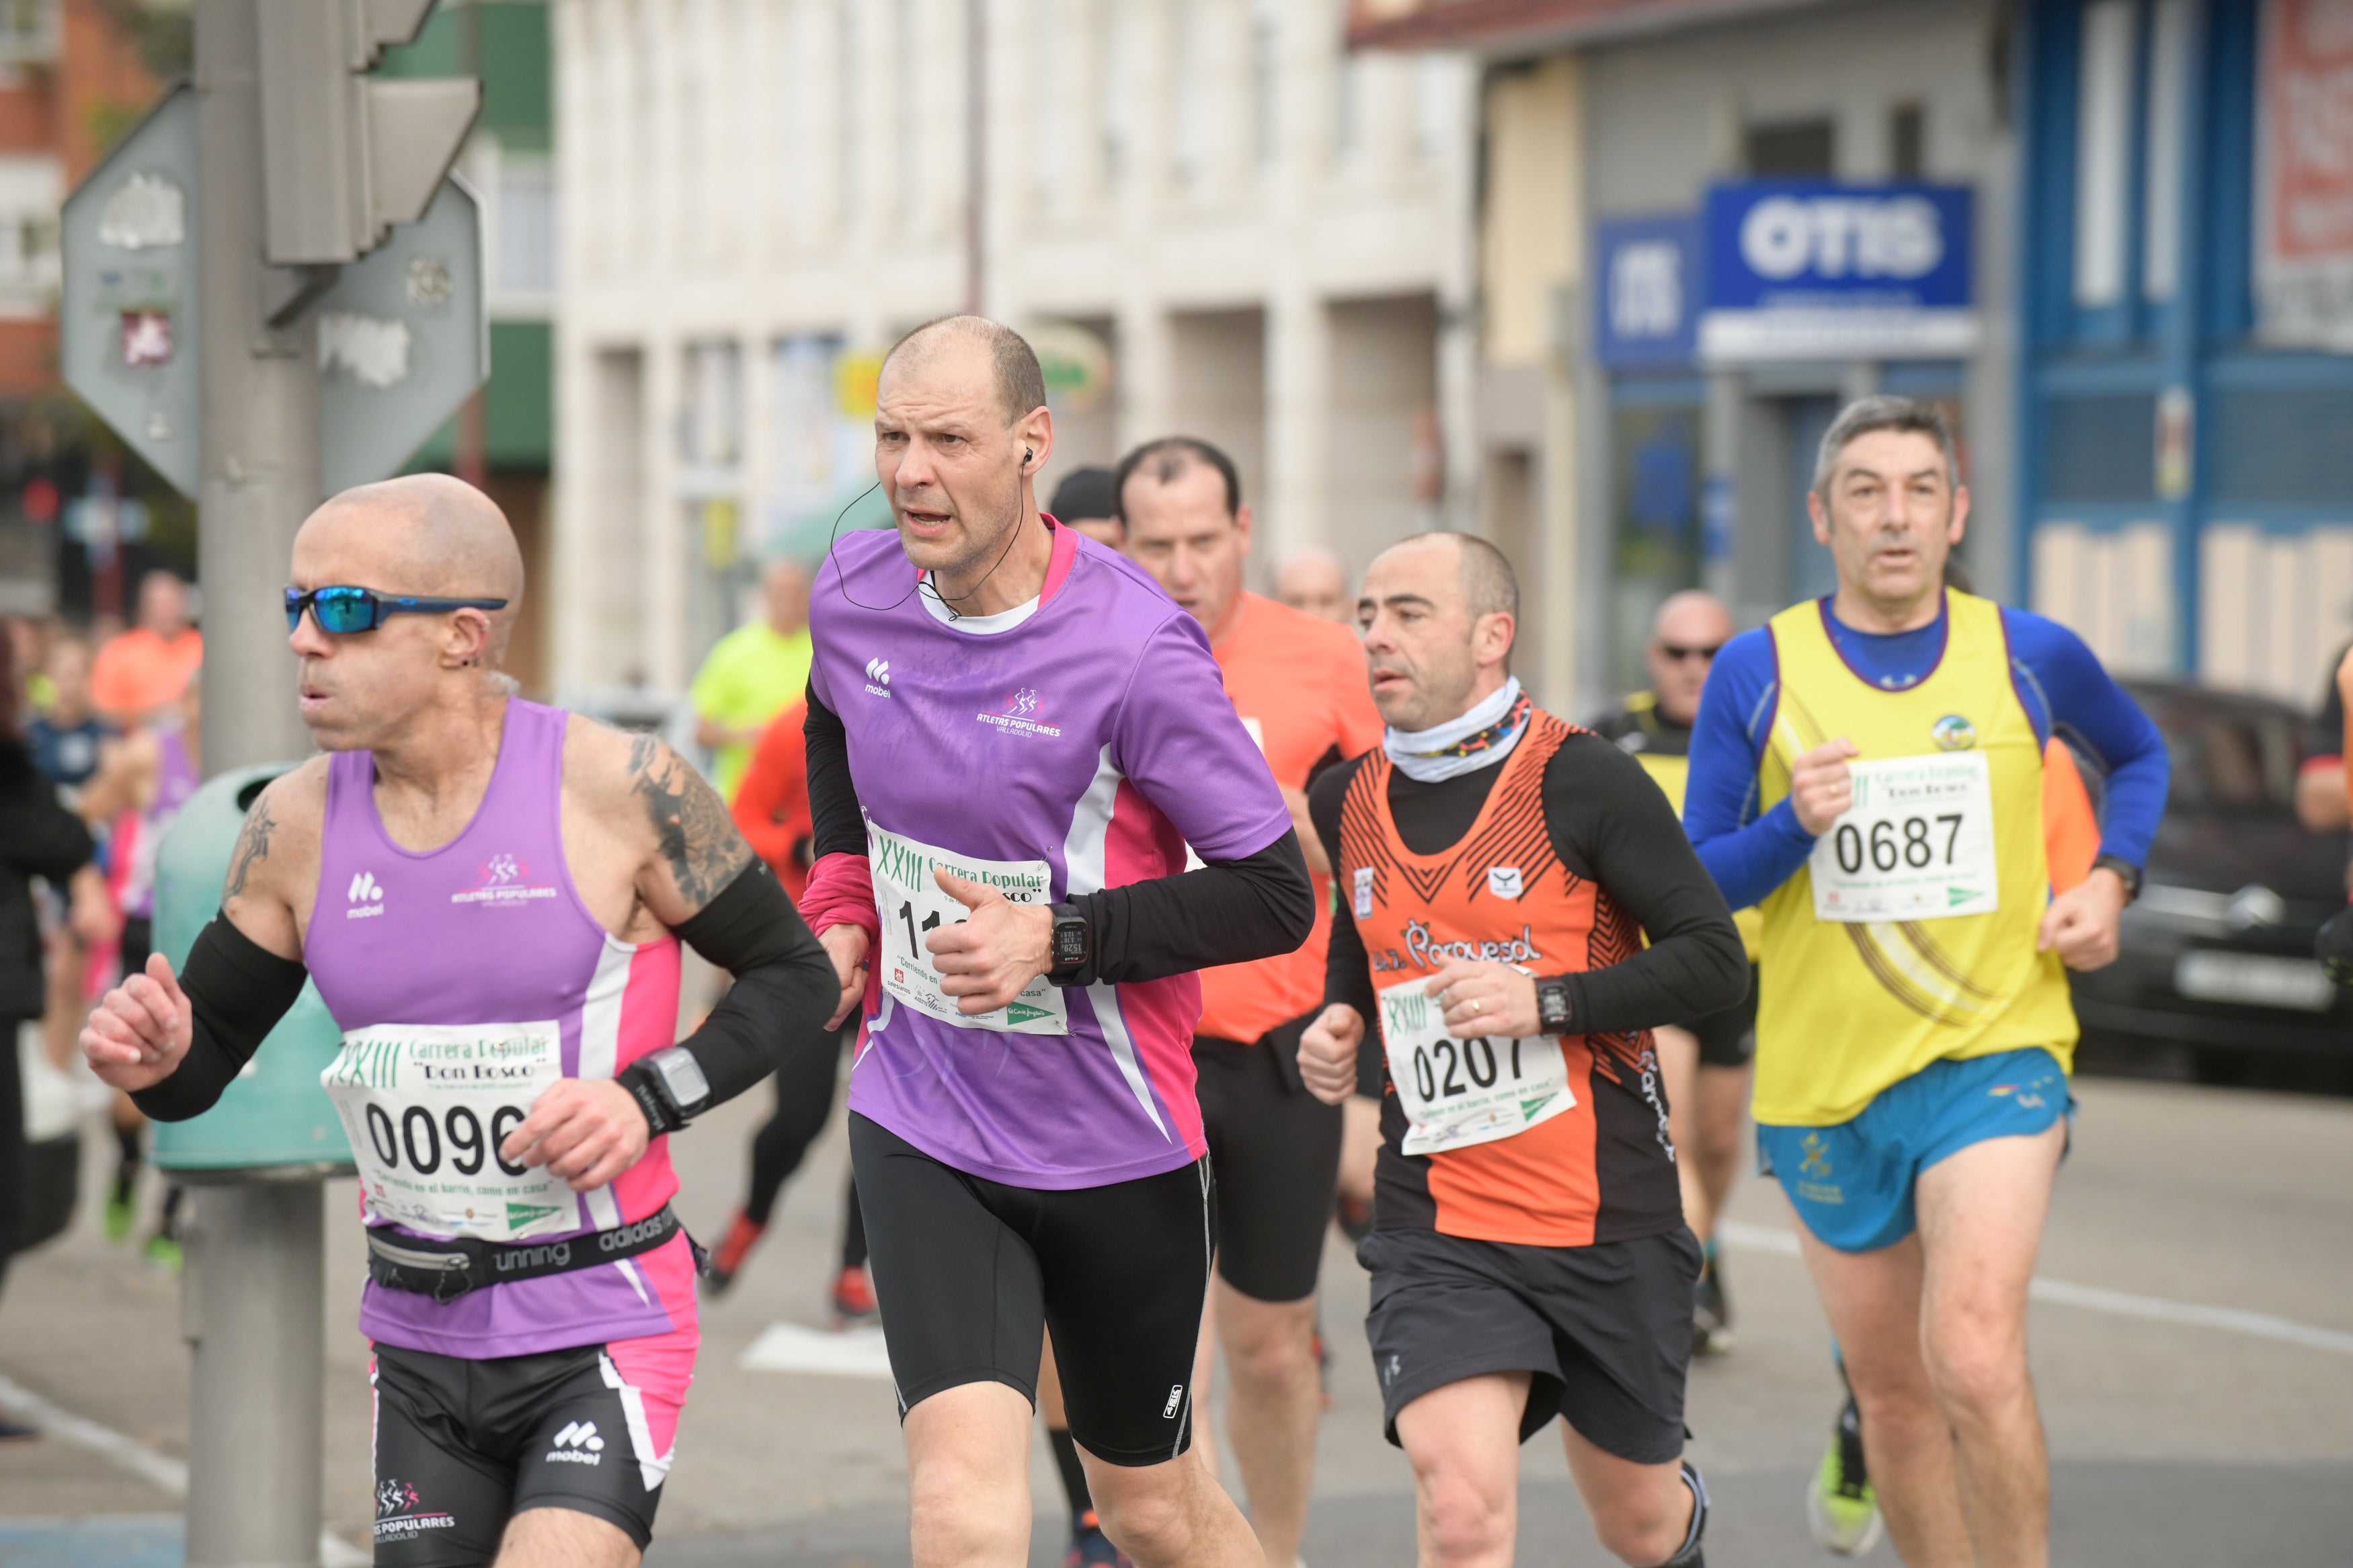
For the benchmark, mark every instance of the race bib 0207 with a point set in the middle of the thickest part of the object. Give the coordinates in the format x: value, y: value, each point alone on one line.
x: 426, y: 1107
x: 910, y: 906
x: 1456, y: 1093
x: 1916, y: 845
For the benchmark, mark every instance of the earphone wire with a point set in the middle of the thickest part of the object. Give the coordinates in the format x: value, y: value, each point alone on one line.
x: 924, y: 579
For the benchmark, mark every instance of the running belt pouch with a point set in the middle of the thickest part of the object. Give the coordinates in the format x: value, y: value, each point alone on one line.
x: 238, y: 990
x: 446, y: 1271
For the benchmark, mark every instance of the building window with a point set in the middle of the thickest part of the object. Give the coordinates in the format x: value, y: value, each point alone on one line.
x: 2104, y: 151
x: 1793, y: 148
x: 526, y: 236
x: 2168, y: 87
x: 1907, y: 141
x: 1266, y: 78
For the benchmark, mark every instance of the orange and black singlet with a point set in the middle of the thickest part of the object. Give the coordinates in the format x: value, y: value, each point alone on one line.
x: 1558, y: 858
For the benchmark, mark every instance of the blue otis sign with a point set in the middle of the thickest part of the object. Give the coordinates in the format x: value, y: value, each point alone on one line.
x: 1815, y: 270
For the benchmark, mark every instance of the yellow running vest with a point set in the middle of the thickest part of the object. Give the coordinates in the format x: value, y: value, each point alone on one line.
x: 1847, y: 1009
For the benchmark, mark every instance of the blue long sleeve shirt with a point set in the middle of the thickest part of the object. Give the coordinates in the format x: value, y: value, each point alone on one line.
x: 2059, y: 682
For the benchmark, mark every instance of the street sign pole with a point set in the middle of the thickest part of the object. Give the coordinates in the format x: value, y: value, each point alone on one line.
x: 255, y: 1296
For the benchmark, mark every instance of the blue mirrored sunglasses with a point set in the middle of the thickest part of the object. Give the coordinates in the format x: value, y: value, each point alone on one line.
x: 345, y: 610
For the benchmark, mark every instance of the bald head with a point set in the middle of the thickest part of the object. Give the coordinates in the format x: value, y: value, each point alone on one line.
x: 427, y: 533
x: 1685, y: 634
x: 1315, y: 581
x: 1012, y: 364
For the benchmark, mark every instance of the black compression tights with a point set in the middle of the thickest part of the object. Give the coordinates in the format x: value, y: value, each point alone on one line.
x: 804, y: 1085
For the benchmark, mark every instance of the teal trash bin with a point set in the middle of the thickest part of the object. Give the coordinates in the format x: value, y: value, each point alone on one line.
x: 274, y: 1120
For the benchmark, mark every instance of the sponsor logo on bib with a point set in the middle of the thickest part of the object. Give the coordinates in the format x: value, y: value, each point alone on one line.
x: 1953, y: 733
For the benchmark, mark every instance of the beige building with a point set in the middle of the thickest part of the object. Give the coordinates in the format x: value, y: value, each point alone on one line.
x: 1212, y: 216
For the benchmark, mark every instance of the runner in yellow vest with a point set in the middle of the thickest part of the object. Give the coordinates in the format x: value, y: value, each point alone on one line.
x: 1869, y: 768
x: 1706, y: 1065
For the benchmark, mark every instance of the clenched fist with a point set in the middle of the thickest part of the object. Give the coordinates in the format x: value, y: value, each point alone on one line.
x: 1821, y: 786
x: 1327, y: 1053
x: 140, y: 1030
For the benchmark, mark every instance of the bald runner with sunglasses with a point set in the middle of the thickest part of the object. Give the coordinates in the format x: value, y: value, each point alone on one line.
x: 490, y: 896
x: 1707, y: 1062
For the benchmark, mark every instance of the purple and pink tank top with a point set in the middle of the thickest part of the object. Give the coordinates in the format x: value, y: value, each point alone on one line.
x: 488, y: 930
x: 140, y: 834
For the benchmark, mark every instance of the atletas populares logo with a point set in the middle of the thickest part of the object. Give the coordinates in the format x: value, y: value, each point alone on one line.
x: 505, y: 881
x: 1020, y: 712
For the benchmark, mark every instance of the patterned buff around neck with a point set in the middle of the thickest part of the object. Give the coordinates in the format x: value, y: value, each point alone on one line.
x: 1473, y: 752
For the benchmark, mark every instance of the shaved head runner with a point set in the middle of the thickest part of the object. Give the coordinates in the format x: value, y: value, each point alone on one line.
x: 490, y: 896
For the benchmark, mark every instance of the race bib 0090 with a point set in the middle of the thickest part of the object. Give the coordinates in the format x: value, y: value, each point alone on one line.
x: 1457, y: 1093
x: 910, y: 906
x: 426, y: 1107
x: 1916, y: 845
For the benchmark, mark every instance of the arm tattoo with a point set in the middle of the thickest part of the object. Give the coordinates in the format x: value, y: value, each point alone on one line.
x: 699, y: 840
x: 252, y: 845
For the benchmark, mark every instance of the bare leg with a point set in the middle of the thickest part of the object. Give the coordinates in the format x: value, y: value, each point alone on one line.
x: 1714, y: 1153
x: 1464, y: 1441
x: 1272, y: 1403
x: 1641, y: 1513
x: 1981, y: 1212
x: 560, y: 1538
x: 1171, y: 1514
x: 1679, y: 1066
x: 1873, y: 1301
x: 968, y: 1478
x: 1360, y: 1143
x: 1205, y: 1372
x: 1049, y: 1387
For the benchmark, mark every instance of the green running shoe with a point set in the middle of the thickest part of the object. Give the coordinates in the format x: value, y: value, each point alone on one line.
x: 163, y: 1253
x: 1840, y: 1505
x: 120, y: 1208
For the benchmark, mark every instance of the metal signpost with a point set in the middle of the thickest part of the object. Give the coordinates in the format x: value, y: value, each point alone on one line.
x: 218, y: 315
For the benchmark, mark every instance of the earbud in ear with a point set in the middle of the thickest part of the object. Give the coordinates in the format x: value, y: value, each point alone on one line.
x: 1025, y: 455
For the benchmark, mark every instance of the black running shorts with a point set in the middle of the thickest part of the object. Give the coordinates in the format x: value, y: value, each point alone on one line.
x: 1606, y: 1330
x: 463, y: 1446
x: 1728, y: 1039
x: 1276, y: 1151
x: 969, y: 1273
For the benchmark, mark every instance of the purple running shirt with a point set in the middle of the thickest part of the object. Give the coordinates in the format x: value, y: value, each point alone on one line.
x: 1077, y: 743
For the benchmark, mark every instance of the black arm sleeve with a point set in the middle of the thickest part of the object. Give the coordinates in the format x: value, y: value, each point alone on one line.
x: 238, y: 990
x: 838, y: 825
x: 1610, y: 822
x: 1348, y: 970
x: 1228, y: 911
x: 784, y: 990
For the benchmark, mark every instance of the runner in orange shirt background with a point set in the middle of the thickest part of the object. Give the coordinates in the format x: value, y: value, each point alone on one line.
x: 1299, y: 684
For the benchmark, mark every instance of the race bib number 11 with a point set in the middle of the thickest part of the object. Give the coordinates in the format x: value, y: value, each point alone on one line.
x: 912, y: 905
x: 1456, y: 1093
x: 1916, y: 845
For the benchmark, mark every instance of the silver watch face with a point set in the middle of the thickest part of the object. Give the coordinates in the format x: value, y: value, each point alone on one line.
x: 683, y: 1076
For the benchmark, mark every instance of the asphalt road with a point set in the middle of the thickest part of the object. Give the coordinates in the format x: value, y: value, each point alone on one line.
x: 2193, y: 1348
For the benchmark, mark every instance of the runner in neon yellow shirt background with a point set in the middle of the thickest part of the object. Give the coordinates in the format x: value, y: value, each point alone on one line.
x: 753, y: 673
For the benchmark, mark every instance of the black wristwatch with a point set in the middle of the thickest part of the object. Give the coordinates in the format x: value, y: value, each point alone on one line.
x: 1074, y: 948
x: 669, y: 1087
x: 1552, y: 1007
x: 2124, y: 869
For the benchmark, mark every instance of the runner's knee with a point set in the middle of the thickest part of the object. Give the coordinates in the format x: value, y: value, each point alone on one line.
x: 1272, y: 1352
x: 1976, y: 1369
x: 1467, y: 1522
x: 1149, y: 1511
x: 1644, y: 1529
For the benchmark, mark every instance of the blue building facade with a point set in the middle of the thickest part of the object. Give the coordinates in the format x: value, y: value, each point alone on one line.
x: 2185, y: 320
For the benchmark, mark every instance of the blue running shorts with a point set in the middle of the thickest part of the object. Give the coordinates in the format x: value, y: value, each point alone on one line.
x: 1852, y: 1184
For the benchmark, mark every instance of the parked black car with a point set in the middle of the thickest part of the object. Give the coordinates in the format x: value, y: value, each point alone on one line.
x: 2217, y: 952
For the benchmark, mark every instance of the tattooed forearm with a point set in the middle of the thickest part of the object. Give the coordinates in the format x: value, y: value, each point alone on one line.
x: 698, y: 840
x: 252, y: 845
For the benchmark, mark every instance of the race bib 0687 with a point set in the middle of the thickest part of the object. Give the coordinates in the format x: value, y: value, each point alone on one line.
x: 1916, y: 845
x: 426, y: 1107
x: 910, y: 905
x: 1457, y: 1093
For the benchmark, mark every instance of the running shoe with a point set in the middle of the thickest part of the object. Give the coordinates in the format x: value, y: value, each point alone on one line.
x: 17, y: 1431
x: 1091, y: 1548
x: 163, y: 1253
x: 120, y: 1208
x: 1841, y: 1507
x: 853, y: 1297
x: 1711, y: 1309
x: 720, y: 1266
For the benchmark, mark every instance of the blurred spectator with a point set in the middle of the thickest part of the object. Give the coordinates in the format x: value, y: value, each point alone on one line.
x: 146, y: 667
x: 753, y: 673
x: 1314, y: 580
x: 66, y: 732
x: 38, y: 837
x: 1084, y: 501
x: 2320, y: 787
x: 770, y: 801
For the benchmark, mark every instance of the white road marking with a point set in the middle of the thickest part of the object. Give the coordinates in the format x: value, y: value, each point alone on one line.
x: 164, y: 1473
x: 2092, y: 1298
x: 790, y: 1347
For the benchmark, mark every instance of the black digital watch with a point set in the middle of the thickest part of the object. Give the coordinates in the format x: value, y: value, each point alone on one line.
x: 1552, y: 1007
x: 1073, y: 946
x: 2128, y: 873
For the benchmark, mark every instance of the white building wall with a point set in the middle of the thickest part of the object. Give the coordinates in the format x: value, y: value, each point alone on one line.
x: 1236, y: 229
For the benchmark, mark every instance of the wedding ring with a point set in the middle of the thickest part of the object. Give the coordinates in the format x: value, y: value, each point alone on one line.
x: 1475, y: 1007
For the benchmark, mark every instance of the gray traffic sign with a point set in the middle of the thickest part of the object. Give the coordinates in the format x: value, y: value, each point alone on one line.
x: 128, y: 328
x: 402, y: 342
